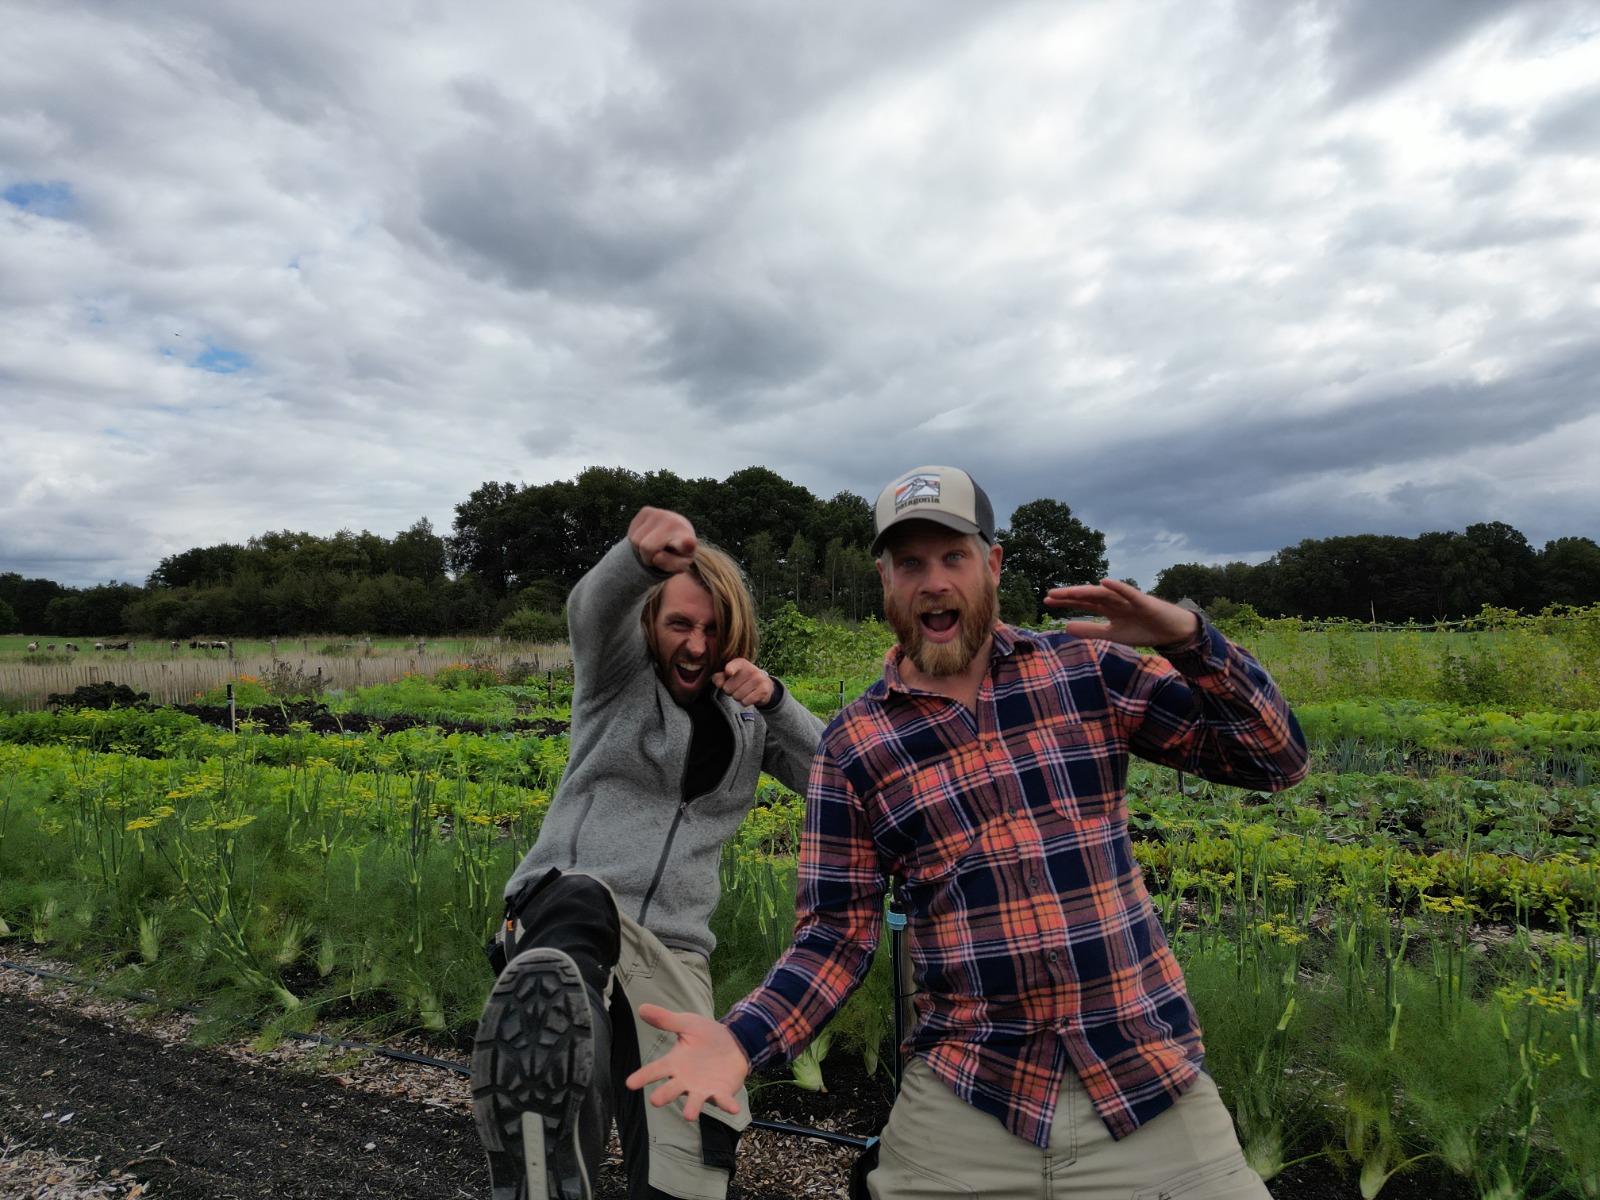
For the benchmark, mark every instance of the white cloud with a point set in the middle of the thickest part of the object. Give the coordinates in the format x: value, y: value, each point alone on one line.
x: 1219, y: 278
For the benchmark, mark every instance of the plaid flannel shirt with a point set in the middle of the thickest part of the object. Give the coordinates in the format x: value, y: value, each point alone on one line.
x: 1034, y: 944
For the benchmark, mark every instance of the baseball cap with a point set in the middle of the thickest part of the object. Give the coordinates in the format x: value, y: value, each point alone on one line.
x: 947, y: 496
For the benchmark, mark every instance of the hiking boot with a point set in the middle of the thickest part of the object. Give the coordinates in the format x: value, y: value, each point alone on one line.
x: 533, y: 1063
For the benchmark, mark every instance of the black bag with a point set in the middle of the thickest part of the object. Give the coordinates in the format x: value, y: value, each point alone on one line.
x: 498, y: 949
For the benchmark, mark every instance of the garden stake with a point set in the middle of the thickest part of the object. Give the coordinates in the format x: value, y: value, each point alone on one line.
x: 902, y: 992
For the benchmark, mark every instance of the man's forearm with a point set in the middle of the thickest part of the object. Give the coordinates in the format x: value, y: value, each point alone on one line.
x: 801, y: 994
x: 601, y: 602
x: 1235, y: 726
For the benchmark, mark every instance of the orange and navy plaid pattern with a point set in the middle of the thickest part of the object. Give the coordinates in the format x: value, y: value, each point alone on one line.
x: 1034, y: 944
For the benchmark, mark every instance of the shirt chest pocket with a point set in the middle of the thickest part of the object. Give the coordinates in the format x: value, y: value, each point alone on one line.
x: 926, y: 822
x: 1071, y: 772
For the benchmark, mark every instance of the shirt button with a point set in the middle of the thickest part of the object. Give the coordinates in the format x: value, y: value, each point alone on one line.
x: 1033, y: 881
x: 1013, y: 814
x: 1053, y: 956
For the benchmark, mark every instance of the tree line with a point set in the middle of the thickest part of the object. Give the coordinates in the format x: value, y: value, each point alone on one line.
x: 1392, y: 579
x: 515, y: 550
x: 276, y: 584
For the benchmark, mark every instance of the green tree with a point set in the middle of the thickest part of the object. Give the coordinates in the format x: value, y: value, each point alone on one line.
x: 800, y: 566
x: 1508, y: 567
x: 847, y: 517
x: 603, y: 500
x: 1456, y: 574
x: 1242, y: 582
x: 202, y: 566
x: 1049, y: 547
x: 854, y: 590
x: 232, y: 610
x: 63, y: 617
x: 467, y: 605
x: 418, y: 553
x: 8, y: 618
x: 757, y: 500
x: 480, y: 541
x: 1018, y: 604
x: 534, y: 625
x: 1358, y: 576
x: 300, y: 602
x: 1443, y: 575
x: 1569, y: 570
x: 1197, y: 581
x: 765, y: 570
x: 159, y: 613
x: 389, y: 605
x: 96, y: 611
x: 29, y: 598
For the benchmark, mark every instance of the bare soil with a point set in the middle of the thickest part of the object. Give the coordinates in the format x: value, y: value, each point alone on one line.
x: 104, y: 1098
x: 101, y: 1098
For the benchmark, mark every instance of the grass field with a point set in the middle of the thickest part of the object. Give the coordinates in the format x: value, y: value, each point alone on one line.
x: 176, y: 674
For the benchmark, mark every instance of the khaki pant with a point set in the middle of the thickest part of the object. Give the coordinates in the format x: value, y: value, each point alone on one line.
x: 937, y: 1145
x: 650, y: 973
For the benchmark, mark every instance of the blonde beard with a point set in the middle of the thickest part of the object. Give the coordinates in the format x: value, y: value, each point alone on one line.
x: 945, y: 658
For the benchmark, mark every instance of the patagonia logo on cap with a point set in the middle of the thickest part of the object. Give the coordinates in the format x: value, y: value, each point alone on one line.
x: 919, y: 489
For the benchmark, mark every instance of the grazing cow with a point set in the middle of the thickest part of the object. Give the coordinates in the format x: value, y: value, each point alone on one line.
x: 219, y: 645
x: 99, y: 645
x: 72, y: 646
x: 50, y: 646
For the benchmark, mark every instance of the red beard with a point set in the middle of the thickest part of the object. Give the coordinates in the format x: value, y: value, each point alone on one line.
x: 976, y: 614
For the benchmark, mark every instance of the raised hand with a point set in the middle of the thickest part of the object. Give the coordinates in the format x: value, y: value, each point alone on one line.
x: 1128, y: 615
x: 705, y: 1067
x: 663, y: 539
x: 745, y: 682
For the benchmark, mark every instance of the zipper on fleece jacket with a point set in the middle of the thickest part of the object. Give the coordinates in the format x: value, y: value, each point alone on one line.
x: 677, y: 818
x: 661, y: 866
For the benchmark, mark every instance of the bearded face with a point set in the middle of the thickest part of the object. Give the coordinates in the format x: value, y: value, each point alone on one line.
x: 685, y: 638
x: 923, y: 620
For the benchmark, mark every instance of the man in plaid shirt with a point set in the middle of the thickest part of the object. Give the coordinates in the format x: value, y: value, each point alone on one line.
x: 986, y: 773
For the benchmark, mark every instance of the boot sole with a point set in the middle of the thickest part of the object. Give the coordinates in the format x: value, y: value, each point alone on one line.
x: 532, y: 1063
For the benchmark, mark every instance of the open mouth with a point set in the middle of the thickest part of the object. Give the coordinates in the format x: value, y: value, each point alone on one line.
x: 689, y: 675
x: 940, y: 622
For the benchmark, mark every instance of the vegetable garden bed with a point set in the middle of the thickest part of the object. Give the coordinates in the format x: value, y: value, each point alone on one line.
x: 1396, y: 963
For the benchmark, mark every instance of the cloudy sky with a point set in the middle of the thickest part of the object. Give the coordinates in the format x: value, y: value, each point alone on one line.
x: 1219, y: 276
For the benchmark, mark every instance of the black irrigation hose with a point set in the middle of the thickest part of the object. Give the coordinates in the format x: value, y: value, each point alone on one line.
x: 843, y: 1139
x: 840, y: 1139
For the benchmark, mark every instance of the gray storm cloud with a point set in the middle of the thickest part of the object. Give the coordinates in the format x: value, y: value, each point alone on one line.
x: 1220, y: 278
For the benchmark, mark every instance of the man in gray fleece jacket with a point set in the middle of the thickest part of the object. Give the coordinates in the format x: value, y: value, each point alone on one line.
x: 672, y: 724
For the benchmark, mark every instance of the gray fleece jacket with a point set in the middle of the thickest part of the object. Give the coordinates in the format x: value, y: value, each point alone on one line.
x: 619, y: 812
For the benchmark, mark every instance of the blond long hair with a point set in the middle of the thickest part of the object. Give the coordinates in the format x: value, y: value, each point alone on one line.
x: 730, y: 603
